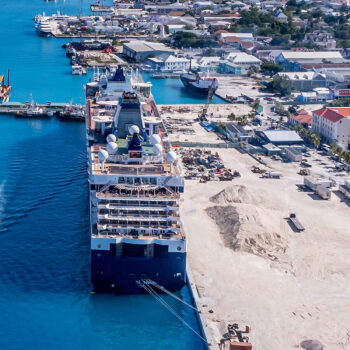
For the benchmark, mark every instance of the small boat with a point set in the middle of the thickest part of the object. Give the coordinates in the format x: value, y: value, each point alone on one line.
x: 43, y: 27
x: 77, y: 69
x: 70, y: 51
x: 72, y: 112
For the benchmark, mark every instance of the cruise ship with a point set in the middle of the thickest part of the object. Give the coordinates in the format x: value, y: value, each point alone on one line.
x: 135, y: 185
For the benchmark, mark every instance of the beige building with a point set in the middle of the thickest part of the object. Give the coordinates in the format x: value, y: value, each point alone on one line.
x: 333, y: 124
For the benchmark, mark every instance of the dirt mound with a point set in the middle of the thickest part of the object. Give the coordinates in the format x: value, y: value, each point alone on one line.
x: 235, y: 194
x: 249, y: 227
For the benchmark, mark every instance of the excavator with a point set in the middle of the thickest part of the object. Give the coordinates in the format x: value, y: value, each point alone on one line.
x: 235, y: 338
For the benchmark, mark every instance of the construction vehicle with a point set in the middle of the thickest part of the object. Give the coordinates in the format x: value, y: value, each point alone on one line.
x: 257, y: 170
x: 304, y: 172
x: 5, y: 89
x: 203, y: 115
x: 236, y: 338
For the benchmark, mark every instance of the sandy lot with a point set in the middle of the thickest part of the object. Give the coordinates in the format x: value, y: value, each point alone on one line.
x: 181, y: 120
x: 250, y: 266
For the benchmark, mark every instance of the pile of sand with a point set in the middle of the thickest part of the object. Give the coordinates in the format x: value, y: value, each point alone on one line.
x: 235, y: 194
x: 248, y: 226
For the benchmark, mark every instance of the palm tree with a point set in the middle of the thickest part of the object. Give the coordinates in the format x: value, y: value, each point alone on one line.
x: 346, y: 157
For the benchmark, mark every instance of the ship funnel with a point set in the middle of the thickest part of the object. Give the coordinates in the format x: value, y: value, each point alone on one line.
x: 103, y: 156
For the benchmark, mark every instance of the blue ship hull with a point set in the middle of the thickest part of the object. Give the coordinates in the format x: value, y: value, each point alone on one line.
x: 121, y: 274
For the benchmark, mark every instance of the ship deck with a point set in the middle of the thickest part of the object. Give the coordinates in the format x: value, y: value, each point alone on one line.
x: 154, y: 166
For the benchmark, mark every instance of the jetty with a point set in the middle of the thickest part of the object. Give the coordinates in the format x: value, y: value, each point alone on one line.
x: 32, y: 110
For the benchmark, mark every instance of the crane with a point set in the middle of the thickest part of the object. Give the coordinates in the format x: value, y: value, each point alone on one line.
x: 203, y: 115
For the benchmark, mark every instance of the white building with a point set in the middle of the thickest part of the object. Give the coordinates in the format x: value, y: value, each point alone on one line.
x: 207, y: 64
x: 173, y: 28
x: 243, y: 59
x: 169, y: 63
x: 333, y: 124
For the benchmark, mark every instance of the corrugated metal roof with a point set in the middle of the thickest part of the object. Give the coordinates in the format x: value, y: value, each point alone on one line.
x: 282, y: 136
x: 311, y: 54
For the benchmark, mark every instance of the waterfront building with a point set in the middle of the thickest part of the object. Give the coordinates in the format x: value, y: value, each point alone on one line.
x: 169, y: 63
x: 139, y: 51
x: 238, y: 63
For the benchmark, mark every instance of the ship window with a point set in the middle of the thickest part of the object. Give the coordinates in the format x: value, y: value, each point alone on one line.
x: 134, y: 250
x: 160, y: 251
x: 112, y: 249
x: 121, y: 180
x: 153, y: 180
x: 135, y: 154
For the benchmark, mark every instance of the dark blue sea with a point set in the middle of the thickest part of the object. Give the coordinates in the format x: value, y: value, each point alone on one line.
x: 45, y: 291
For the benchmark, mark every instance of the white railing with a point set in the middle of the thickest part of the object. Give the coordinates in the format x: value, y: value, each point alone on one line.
x: 124, y: 158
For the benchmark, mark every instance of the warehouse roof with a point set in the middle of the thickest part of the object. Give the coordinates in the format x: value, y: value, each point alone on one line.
x: 301, y: 75
x: 304, y: 55
x: 280, y: 136
x: 144, y: 46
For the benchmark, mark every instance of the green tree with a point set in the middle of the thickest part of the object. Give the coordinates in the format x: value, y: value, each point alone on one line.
x: 280, y: 85
x: 209, y: 53
x: 270, y: 68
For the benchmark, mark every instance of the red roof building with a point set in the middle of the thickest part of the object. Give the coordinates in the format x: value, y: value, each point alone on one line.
x: 333, y: 124
x: 301, y: 117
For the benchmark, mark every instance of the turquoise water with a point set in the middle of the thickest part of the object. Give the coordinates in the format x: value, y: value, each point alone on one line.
x: 45, y: 299
x: 172, y: 91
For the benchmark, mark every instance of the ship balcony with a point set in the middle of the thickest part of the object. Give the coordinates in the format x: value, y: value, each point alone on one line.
x: 144, y: 233
x: 125, y: 159
x: 144, y: 208
x: 135, y: 170
x: 134, y: 196
x: 152, y: 230
x: 138, y: 217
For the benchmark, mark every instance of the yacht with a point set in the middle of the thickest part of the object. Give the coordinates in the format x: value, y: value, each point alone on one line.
x: 78, y: 69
